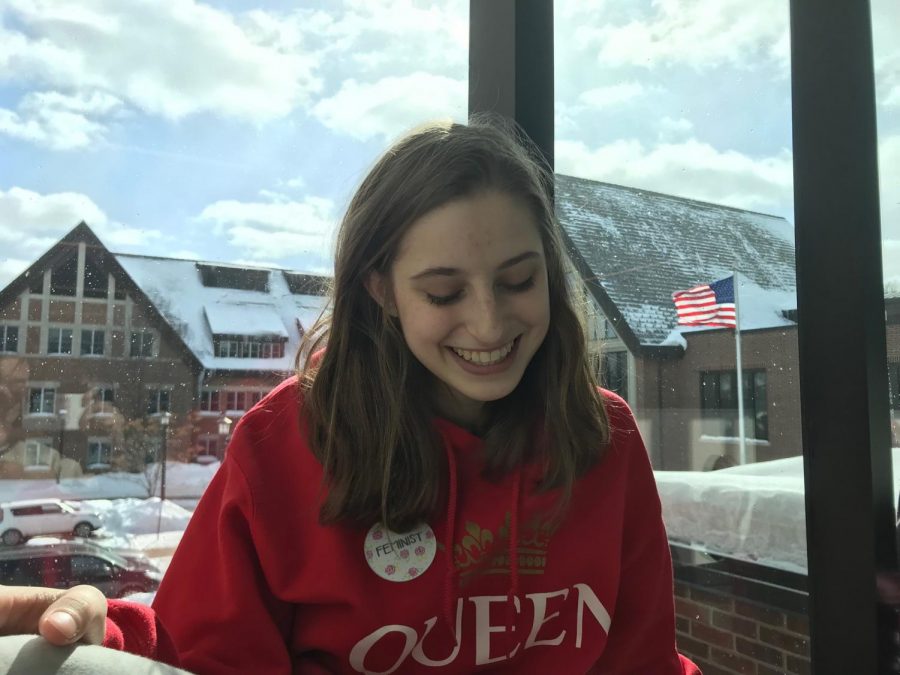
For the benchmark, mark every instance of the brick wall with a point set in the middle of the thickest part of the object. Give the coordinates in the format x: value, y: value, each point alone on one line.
x: 727, y: 635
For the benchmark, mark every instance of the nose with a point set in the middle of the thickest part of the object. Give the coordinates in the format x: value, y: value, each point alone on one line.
x: 485, y: 321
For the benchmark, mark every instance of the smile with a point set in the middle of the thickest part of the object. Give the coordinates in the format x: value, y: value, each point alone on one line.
x: 485, y: 358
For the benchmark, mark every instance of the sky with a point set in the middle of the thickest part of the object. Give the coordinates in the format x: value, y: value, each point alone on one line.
x: 237, y: 130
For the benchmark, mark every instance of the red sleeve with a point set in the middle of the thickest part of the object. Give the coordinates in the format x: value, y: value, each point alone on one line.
x: 642, y: 634
x: 214, y: 611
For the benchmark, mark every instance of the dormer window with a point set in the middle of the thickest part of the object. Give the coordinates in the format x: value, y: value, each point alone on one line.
x: 222, y: 276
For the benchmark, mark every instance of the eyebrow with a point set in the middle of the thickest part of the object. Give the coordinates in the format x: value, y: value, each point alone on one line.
x: 453, y: 271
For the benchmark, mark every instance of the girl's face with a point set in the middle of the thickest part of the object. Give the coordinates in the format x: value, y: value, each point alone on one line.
x: 470, y: 291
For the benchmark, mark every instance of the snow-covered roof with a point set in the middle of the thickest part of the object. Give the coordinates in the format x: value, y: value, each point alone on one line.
x: 197, y: 312
x: 248, y: 318
x: 640, y: 247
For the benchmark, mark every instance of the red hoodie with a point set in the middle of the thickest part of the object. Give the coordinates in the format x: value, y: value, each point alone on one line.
x: 259, y: 586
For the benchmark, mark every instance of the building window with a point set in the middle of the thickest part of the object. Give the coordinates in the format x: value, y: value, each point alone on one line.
x: 92, y: 341
x: 63, y: 277
x: 209, y: 400
x: 142, y: 344
x: 9, y: 339
x: 99, y: 452
x: 158, y: 401
x: 104, y: 397
x: 241, y: 401
x: 42, y: 401
x: 249, y: 349
x: 96, y: 280
x: 208, y: 448
x: 614, y: 372
x: 608, y: 331
x: 38, y: 453
x: 718, y: 400
x: 59, y: 341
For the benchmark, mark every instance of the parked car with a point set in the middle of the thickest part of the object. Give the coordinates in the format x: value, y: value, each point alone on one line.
x: 21, y: 520
x: 69, y: 564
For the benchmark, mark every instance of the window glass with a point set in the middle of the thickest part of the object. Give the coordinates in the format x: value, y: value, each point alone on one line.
x: 674, y: 182
x: 886, y: 47
x: 171, y: 225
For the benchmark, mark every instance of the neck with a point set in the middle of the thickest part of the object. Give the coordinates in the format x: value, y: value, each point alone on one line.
x: 462, y: 411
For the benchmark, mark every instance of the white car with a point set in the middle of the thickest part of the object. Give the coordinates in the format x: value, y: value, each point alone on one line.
x: 21, y: 520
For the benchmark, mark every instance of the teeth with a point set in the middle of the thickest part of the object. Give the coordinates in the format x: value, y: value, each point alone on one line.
x: 485, y: 358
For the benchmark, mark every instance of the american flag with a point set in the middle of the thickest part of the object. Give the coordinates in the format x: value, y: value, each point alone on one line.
x: 707, y: 305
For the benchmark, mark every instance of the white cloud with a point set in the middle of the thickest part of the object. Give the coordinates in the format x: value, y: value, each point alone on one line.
x: 392, y: 104
x: 615, y: 94
x: 689, y: 169
x: 10, y: 268
x: 60, y: 121
x: 671, y: 126
x: 700, y: 33
x: 170, y: 57
x: 274, y: 229
x: 31, y: 222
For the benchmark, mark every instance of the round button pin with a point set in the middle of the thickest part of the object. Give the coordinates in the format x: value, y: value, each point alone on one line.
x: 400, y: 557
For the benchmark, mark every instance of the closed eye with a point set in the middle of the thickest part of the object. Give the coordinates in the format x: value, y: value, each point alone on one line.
x: 520, y: 287
x: 443, y: 299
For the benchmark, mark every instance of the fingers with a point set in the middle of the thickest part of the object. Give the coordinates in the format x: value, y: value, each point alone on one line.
x: 21, y: 608
x: 77, y: 614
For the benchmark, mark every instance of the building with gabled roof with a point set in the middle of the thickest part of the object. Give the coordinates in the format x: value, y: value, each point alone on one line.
x: 634, y: 248
x: 100, y: 346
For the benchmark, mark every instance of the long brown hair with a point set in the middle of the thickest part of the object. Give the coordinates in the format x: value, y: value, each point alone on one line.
x: 369, y: 420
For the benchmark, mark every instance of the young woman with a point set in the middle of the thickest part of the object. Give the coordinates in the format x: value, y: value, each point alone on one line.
x: 443, y: 488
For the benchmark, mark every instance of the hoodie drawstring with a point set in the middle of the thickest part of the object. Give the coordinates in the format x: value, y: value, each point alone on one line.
x: 513, y: 596
x: 450, y: 578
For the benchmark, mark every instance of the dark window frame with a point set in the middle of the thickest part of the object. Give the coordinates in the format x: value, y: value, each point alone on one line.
x: 756, y: 401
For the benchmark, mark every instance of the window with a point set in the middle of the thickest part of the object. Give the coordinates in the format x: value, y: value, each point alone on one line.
x: 158, y: 401
x: 87, y: 567
x: 63, y: 277
x: 42, y: 401
x: 209, y: 447
x: 608, y: 331
x: 209, y: 400
x: 718, y: 400
x: 37, y: 453
x: 52, y: 509
x: 142, y: 343
x: 234, y: 277
x: 104, y: 398
x: 92, y: 341
x: 96, y: 280
x: 9, y: 339
x: 59, y: 341
x: 99, y: 452
x: 239, y: 401
x: 249, y: 349
x: 615, y: 372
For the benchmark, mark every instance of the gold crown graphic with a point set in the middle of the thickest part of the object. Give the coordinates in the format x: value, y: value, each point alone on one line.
x: 479, y: 551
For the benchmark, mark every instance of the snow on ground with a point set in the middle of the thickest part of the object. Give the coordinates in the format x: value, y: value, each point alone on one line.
x: 754, y: 512
x: 182, y: 481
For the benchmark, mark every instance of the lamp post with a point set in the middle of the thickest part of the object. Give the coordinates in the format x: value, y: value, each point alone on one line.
x: 62, y: 413
x: 164, y: 420
x: 224, y: 430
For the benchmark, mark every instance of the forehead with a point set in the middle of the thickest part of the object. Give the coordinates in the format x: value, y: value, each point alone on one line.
x: 470, y: 233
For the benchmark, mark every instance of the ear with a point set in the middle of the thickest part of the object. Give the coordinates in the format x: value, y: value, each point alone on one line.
x: 378, y: 287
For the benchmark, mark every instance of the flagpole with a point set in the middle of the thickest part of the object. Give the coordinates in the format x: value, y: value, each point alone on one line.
x: 740, y: 374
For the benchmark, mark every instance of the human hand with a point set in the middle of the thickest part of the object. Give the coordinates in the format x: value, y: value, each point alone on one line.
x: 62, y: 617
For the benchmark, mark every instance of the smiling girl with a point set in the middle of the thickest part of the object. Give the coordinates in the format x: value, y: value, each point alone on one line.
x: 443, y: 488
